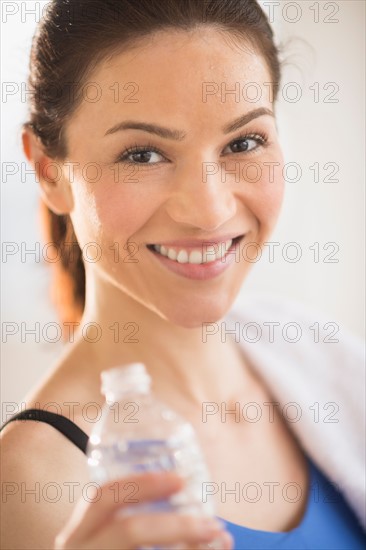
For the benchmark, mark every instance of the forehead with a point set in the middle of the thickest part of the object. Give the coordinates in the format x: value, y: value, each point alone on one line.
x: 202, y: 52
x: 178, y: 75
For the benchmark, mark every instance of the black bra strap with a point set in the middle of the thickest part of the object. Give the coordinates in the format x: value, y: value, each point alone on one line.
x: 61, y: 423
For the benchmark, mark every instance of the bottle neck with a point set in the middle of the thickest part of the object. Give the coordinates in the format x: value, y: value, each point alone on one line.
x: 125, y: 380
x: 120, y: 394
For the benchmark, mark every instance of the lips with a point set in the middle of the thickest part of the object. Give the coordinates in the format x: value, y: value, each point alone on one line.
x: 199, y: 271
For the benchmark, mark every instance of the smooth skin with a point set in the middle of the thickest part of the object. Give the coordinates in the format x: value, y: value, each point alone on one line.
x: 170, y: 200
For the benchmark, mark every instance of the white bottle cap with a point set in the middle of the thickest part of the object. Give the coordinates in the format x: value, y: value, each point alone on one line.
x: 125, y: 378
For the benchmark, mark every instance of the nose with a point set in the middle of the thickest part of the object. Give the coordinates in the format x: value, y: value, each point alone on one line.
x: 206, y: 203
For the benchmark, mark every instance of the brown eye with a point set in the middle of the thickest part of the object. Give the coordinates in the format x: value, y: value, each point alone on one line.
x: 242, y: 145
x: 246, y: 143
x: 141, y: 155
x: 144, y: 157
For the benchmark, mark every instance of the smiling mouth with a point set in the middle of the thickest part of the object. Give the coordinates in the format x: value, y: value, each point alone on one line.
x: 200, y: 255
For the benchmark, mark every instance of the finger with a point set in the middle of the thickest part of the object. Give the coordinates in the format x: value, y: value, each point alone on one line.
x: 157, y: 530
x: 88, y: 516
x: 223, y: 542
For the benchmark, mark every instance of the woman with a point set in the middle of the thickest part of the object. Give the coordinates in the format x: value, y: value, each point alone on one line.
x: 165, y: 180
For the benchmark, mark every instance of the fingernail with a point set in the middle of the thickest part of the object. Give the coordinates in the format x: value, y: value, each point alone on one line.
x: 212, y: 524
x: 226, y: 541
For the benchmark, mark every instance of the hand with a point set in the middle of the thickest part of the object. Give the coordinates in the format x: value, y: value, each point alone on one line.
x: 96, y: 525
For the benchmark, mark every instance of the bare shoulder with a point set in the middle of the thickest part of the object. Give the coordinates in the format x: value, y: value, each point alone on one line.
x: 43, y: 472
x: 70, y: 389
x: 43, y: 475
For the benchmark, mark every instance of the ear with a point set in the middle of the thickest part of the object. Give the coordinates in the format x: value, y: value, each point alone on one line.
x: 55, y: 186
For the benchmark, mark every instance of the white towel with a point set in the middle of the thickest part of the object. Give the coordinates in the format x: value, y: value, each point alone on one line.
x: 312, y: 374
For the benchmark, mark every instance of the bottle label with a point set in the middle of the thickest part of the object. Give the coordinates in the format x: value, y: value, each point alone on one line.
x: 146, y: 455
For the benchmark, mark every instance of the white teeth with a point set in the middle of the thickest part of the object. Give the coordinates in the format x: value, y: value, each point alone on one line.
x: 195, y: 257
x: 210, y: 253
x: 182, y: 257
x: 172, y: 254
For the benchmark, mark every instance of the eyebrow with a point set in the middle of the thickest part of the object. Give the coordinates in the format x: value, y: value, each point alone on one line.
x: 177, y: 135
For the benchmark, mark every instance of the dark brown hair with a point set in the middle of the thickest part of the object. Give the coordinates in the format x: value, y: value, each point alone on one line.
x: 71, y: 39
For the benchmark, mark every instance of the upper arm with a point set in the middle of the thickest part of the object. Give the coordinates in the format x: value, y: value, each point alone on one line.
x: 43, y: 475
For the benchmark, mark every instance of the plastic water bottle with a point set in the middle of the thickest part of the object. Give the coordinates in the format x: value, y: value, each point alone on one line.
x: 137, y: 433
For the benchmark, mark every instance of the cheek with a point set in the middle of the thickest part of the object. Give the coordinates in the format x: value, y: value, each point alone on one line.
x: 122, y: 209
x: 264, y: 183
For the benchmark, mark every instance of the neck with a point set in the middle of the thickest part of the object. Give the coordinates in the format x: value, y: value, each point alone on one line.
x: 181, y: 361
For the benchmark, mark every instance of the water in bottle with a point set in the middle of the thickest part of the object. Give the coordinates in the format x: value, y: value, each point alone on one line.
x: 137, y: 433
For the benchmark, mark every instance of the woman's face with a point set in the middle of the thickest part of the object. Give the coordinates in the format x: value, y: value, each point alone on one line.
x: 202, y: 181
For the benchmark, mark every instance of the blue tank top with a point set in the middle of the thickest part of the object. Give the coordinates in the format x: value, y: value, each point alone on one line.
x: 328, y: 523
